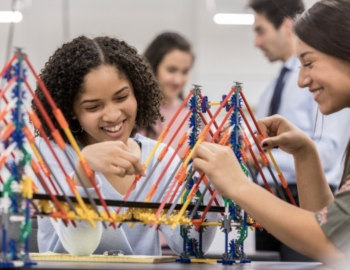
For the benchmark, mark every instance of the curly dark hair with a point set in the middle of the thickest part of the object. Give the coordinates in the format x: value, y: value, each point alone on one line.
x: 66, y: 69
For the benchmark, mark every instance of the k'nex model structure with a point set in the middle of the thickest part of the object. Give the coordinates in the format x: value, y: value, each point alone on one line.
x: 23, y: 168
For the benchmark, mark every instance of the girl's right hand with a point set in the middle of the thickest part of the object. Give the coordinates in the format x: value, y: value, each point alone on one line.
x: 279, y: 132
x: 113, y: 157
x: 220, y: 164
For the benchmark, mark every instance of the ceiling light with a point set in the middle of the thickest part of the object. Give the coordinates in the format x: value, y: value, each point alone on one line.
x: 10, y: 16
x: 235, y: 19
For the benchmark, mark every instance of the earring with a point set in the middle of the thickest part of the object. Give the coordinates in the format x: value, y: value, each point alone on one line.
x: 76, y: 123
x: 79, y: 130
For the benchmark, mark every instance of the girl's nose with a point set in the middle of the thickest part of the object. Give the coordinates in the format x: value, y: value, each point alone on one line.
x: 304, y: 79
x: 111, y: 113
x: 179, y: 79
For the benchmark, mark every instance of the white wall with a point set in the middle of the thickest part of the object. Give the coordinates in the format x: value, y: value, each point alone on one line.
x: 223, y: 53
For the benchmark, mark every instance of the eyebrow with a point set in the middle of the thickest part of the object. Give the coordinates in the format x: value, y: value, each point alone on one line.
x: 96, y: 100
x: 172, y: 66
x: 302, y: 55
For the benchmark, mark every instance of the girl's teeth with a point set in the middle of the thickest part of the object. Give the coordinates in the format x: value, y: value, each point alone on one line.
x: 114, y: 129
x: 317, y: 92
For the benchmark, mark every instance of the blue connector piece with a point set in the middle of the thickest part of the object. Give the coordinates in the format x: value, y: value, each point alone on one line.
x: 227, y: 105
x: 205, y: 104
x: 192, y: 139
x: 13, y: 249
x: 194, y: 121
x: 193, y: 103
x: 14, y: 71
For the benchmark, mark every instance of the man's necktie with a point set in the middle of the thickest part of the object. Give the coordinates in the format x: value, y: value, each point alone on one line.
x: 276, y: 98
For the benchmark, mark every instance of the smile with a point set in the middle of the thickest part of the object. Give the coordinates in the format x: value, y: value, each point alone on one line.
x: 115, y: 128
x: 316, y: 92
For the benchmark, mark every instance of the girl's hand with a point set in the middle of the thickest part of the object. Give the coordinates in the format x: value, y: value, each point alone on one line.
x: 113, y: 157
x: 279, y: 132
x: 221, y: 166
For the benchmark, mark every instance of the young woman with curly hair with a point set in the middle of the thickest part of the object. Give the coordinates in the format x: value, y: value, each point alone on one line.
x: 104, y: 88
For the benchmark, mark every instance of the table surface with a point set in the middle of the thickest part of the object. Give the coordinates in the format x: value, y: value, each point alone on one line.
x: 180, y: 266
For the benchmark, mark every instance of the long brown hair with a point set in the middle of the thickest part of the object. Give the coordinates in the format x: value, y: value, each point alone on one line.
x: 163, y: 44
x: 326, y: 27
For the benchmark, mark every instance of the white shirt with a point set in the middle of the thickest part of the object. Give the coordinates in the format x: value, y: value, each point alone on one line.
x: 139, y: 240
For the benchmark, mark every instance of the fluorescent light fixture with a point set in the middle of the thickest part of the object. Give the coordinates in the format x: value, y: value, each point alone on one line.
x: 10, y: 16
x: 236, y: 19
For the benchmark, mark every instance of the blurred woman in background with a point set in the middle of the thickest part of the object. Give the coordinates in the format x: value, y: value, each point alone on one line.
x: 171, y: 57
